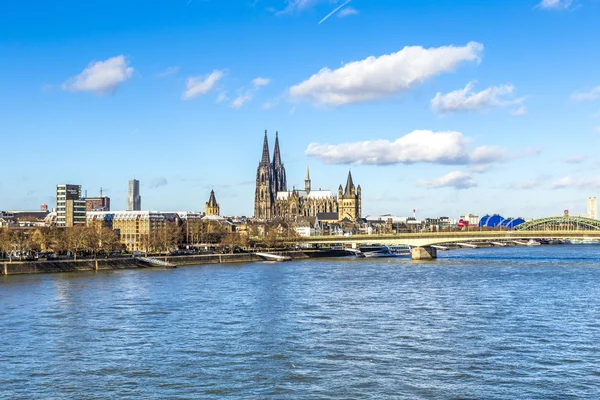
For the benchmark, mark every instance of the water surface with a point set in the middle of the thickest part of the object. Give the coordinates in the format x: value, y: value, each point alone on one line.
x: 488, y: 323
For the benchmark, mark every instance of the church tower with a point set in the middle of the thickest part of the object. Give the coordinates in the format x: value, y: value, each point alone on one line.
x: 350, y: 202
x: 264, y: 198
x: 307, y: 181
x: 212, y: 207
x: 279, y: 178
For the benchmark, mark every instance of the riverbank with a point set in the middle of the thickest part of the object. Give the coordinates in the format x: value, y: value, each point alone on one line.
x: 104, y: 264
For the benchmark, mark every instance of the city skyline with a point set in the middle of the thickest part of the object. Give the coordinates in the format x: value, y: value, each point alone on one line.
x: 503, y: 101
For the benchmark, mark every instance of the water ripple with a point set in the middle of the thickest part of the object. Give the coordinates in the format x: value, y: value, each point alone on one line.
x: 486, y: 323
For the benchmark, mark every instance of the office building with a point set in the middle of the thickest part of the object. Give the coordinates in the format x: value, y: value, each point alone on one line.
x: 134, y: 201
x: 592, y: 208
x: 70, y: 207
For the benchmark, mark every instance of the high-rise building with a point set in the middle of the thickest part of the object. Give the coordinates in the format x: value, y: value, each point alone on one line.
x: 70, y: 207
x: 100, y: 203
x: 134, y: 201
x: 592, y: 208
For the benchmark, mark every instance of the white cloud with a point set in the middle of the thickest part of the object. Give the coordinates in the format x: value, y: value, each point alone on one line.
x: 248, y: 94
x: 576, y: 183
x: 384, y: 76
x: 578, y: 159
x: 168, y: 71
x: 586, y: 96
x: 488, y: 155
x: 555, y: 4
x: 241, y: 100
x: 101, y: 77
x: 455, y: 179
x: 260, y: 82
x: 269, y: 104
x: 222, y: 97
x: 347, y: 12
x: 418, y: 146
x: 526, y: 185
x: 199, y: 85
x: 466, y: 100
x: 519, y: 111
x: 298, y: 5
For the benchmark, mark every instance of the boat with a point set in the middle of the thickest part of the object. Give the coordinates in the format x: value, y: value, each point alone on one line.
x: 584, y: 241
x: 376, y: 251
x: 533, y: 242
x: 333, y: 252
x: 401, y: 250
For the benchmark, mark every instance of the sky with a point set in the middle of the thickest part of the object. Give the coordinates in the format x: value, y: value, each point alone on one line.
x: 446, y: 107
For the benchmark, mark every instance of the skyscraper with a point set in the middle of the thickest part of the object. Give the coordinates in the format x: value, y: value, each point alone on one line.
x: 134, y: 201
x: 592, y: 208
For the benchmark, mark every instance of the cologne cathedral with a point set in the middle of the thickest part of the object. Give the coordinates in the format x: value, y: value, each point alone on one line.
x: 273, y: 200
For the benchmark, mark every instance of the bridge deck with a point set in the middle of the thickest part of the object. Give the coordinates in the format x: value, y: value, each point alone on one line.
x: 437, y: 238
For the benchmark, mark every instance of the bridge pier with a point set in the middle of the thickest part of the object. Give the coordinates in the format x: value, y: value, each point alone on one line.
x: 424, y: 253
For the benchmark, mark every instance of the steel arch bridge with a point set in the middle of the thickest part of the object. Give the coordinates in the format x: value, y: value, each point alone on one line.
x: 563, y: 223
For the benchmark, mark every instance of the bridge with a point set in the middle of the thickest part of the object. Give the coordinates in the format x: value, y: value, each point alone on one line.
x: 425, y: 244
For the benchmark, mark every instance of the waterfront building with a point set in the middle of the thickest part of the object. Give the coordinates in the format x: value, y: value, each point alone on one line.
x: 471, y: 219
x: 134, y: 200
x: 212, y: 207
x: 137, y: 230
x: 273, y: 200
x: 592, y: 208
x: 70, y: 207
x: 101, y: 203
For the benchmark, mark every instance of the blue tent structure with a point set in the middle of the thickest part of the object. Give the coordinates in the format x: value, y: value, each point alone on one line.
x: 494, y: 221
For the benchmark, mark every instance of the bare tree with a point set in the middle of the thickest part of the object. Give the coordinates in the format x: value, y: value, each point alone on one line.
x: 232, y: 240
x: 6, y: 243
x: 167, y: 237
x: 77, y: 239
x: 21, y: 242
x: 145, y: 243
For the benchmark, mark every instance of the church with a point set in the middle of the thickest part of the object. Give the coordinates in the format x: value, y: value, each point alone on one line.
x: 273, y: 200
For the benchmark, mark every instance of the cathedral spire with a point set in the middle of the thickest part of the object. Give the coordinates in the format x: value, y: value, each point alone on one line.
x: 265, y: 153
x: 349, y: 184
x: 307, y: 181
x: 276, y: 153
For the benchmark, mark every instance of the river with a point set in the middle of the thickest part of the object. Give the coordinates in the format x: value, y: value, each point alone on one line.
x: 520, y: 323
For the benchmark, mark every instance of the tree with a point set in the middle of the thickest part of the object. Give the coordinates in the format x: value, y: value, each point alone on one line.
x: 215, y: 231
x: 196, y: 231
x: 145, y: 243
x: 44, y: 238
x: 77, y: 239
x: 167, y: 237
x: 6, y: 243
x: 20, y: 242
x: 232, y: 240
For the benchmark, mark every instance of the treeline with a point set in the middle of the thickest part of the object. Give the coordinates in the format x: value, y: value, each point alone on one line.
x: 21, y: 243
x: 97, y: 240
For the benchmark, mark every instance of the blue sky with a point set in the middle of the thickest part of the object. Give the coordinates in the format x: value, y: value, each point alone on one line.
x: 448, y: 107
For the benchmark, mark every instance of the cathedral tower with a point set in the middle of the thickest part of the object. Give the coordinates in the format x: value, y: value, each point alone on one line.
x: 264, y: 197
x: 279, y: 179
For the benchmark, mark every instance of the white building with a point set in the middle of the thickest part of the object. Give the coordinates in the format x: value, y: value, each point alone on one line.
x: 592, y: 208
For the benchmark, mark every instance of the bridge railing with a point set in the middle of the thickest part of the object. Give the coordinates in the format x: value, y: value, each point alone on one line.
x: 462, y: 235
